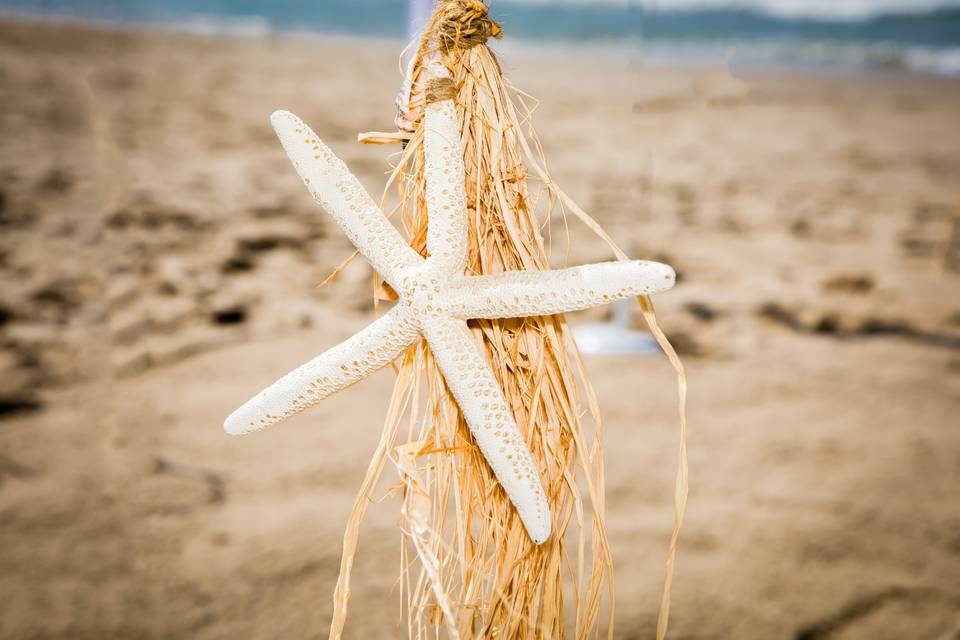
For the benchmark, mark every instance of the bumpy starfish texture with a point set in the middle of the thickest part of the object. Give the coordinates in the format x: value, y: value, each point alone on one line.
x: 435, y: 301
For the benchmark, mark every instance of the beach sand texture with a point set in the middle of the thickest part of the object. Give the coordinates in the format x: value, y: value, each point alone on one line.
x: 159, y: 261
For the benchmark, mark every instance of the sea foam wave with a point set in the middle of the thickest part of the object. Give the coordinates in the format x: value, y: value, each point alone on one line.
x: 925, y: 42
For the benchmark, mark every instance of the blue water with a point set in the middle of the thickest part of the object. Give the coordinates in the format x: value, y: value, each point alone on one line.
x: 926, y: 41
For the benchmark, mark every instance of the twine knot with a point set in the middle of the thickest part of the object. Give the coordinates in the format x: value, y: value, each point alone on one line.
x: 438, y: 89
x: 461, y: 24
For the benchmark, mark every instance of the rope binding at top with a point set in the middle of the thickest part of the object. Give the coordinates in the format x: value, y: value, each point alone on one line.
x: 460, y: 24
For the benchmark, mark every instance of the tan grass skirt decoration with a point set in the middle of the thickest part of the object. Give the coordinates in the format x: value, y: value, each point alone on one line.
x: 468, y: 566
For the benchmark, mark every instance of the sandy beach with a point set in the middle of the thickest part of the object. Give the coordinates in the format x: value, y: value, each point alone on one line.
x: 160, y: 262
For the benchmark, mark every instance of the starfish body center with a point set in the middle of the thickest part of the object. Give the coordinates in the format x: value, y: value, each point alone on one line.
x: 423, y: 291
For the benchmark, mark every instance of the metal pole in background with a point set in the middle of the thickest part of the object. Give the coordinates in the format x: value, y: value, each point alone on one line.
x: 418, y: 13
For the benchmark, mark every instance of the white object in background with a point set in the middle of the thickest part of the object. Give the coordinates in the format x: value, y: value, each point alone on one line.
x: 614, y: 338
x: 435, y: 300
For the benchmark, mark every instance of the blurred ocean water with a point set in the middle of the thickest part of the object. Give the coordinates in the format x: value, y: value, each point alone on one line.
x: 924, y: 41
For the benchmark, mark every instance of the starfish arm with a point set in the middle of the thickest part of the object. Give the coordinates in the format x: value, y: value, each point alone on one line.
x: 446, y: 195
x: 516, y: 294
x: 344, y: 198
x: 490, y: 420
x: 339, y: 367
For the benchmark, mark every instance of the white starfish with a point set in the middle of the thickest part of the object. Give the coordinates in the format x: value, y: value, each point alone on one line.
x: 435, y: 300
